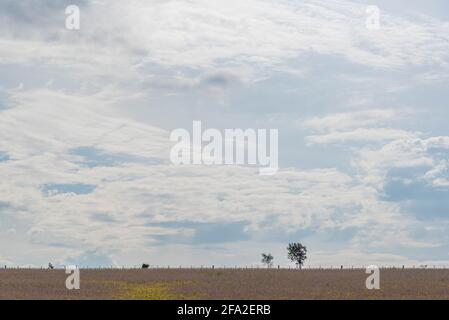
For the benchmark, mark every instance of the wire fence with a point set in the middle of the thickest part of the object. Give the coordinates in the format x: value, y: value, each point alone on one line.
x: 224, y: 267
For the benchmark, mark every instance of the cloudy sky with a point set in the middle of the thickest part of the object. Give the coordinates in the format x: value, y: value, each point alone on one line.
x: 86, y: 116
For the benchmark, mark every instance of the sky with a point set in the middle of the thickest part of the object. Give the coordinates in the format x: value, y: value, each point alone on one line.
x: 86, y: 116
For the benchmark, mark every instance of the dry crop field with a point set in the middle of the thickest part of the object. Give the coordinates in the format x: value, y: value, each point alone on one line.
x: 224, y: 284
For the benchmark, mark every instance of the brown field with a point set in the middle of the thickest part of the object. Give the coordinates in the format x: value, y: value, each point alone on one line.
x: 224, y: 284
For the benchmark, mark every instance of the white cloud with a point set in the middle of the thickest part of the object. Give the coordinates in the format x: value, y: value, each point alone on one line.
x: 365, y: 126
x: 360, y: 135
x: 201, y: 46
x: 45, y: 125
x: 355, y: 119
x: 199, y: 34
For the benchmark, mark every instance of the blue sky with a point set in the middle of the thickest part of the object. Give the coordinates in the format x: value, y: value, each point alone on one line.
x: 86, y: 115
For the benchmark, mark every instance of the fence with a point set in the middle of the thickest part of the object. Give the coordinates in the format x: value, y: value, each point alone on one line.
x: 249, y: 267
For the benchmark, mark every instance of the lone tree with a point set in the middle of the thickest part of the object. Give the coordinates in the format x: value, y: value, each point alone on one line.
x: 297, y: 253
x: 145, y: 266
x: 267, y: 259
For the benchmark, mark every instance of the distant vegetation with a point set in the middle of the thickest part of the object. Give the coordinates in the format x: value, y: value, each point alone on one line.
x: 297, y: 253
x: 267, y: 259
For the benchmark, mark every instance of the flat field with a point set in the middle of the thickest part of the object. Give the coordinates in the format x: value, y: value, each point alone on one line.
x: 250, y: 284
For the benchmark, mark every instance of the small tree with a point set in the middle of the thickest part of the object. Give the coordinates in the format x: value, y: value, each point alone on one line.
x: 297, y: 253
x: 267, y: 259
x: 145, y: 266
